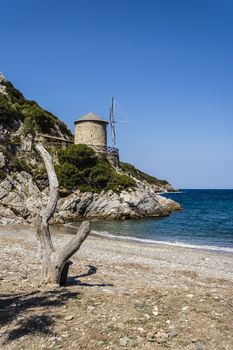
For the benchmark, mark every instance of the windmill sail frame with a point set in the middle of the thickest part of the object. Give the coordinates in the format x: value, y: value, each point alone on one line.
x: 113, y: 122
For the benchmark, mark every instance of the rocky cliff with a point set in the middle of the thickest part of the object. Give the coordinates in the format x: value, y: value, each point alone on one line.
x: 90, y: 186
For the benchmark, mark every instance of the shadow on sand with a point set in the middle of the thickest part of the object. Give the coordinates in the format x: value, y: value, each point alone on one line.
x: 74, y: 280
x: 29, y: 313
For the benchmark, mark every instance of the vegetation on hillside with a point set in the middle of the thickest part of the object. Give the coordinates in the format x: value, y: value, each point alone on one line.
x: 14, y: 108
x: 8, y: 112
x: 81, y: 168
x: 140, y: 175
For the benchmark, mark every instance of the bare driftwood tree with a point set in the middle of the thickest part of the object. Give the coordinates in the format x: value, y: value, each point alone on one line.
x: 55, y: 262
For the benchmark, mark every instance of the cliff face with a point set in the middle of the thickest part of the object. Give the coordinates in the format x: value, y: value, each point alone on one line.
x: 105, y: 192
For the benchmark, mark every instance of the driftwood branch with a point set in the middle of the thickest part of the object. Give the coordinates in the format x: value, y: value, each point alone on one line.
x: 54, y: 262
x: 53, y: 183
x: 73, y: 246
x: 46, y: 244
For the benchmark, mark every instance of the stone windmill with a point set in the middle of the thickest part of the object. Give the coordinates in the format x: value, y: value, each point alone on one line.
x: 91, y: 130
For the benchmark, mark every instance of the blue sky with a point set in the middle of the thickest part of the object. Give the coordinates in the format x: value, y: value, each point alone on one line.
x: 169, y: 64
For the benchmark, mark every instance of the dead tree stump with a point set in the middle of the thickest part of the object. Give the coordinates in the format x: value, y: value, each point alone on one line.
x: 55, y: 263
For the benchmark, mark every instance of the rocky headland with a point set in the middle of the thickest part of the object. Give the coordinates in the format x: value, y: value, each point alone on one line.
x: 99, y: 190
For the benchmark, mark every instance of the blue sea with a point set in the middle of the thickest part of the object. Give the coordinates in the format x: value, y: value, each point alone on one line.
x: 206, y: 221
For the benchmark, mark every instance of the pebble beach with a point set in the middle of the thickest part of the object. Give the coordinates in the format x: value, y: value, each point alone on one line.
x: 119, y: 295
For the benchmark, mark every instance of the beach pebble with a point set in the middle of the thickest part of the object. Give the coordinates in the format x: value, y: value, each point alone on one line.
x: 155, y: 311
x: 147, y: 316
x: 173, y: 334
x: 199, y: 346
x: 185, y: 308
x: 100, y: 342
x: 151, y: 336
x: 65, y: 335
x: 120, y: 325
x: 124, y: 342
x: 139, y: 306
x: 161, y: 334
x: 168, y: 321
x: 90, y: 308
x: 141, y: 330
x: 190, y: 295
x: 161, y: 337
x: 194, y: 340
x: 69, y: 318
x: 53, y: 338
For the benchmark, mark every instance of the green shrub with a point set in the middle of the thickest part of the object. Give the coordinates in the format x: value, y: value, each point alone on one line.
x: 100, y: 181
x: 15, y: 95
x: 81, y: 168
x: 68, y: 176
x: 30, y: 126
x: 86, y: 188
x: 100, y: 169
x: 120, y: 182
x: 8, y: 113
x: 81, y: 156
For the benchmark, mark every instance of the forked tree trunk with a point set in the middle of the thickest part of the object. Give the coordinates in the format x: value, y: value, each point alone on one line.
x: 53, y: 261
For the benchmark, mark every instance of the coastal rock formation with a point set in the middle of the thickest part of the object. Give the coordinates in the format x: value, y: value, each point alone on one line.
x: 90, y: 186
x: 109, y: 205
x: 21, y: 201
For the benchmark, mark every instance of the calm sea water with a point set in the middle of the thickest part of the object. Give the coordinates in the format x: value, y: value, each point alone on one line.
x: 206, y: 221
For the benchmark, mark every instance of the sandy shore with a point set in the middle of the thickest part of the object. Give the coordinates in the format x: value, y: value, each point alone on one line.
x: 120, y: 295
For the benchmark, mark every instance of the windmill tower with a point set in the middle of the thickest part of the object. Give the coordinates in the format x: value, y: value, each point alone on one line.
x: 91, y: 130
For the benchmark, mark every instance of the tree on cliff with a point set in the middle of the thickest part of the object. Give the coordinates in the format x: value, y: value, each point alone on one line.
x: 55, y: 262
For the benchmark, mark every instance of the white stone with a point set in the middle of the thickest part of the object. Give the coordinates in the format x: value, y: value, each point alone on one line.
x: 155, y: 311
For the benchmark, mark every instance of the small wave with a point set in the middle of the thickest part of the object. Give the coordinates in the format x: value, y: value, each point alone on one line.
x: 167, y: 192
x: 152, y: 241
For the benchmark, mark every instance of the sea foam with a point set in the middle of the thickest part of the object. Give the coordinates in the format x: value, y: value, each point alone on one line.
x: 156, y: 242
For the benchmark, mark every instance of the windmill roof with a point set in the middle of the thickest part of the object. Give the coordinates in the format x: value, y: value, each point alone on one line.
x: 91, y: 117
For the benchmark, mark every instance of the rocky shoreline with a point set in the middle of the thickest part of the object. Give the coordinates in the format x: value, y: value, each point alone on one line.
x: 21, y: 201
